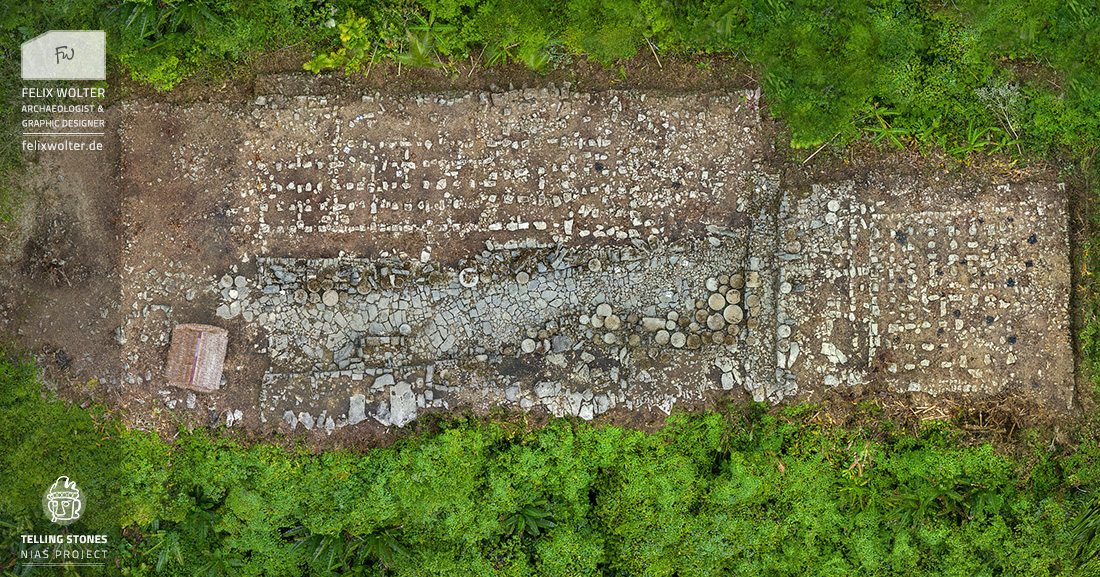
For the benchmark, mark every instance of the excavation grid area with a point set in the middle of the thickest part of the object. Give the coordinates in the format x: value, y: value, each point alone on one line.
x: 376, y: 257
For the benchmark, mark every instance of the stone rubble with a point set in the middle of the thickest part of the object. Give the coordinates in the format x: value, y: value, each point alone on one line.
x: 595, y: 290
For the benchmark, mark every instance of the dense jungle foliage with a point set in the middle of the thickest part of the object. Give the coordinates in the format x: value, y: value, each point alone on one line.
x: 738, y: 492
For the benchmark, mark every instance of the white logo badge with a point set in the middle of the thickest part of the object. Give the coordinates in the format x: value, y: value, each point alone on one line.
x: 66, y: 55
x: 63, y: 502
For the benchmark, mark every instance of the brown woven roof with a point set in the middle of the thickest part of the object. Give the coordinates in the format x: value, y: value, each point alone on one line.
x: 196, y: 357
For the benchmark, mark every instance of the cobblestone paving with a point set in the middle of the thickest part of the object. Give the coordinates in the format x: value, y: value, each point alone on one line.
x: 576, y: 252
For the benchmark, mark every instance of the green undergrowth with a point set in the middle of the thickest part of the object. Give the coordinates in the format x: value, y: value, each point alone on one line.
x: 1016, y: 78
x: 746, y: 491
x: 1088, y: 284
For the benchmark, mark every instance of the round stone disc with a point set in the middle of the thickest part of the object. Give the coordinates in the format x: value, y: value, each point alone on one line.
x: 527, y: 346
x: 678, y: 340
x: 733, y: 314
x: 468, y: 277
x: 717, y: 302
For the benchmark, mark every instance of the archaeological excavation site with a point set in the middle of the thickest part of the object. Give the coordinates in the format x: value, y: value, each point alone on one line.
x: 554, y: 288
x: 308, y: 261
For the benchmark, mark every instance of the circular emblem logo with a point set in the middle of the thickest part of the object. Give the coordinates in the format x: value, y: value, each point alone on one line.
x: 63, y: 503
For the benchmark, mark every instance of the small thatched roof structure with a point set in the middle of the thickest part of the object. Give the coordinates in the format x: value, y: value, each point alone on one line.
x: 196, y: 357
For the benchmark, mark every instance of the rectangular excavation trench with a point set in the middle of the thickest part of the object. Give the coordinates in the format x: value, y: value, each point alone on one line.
x: 383, y: 256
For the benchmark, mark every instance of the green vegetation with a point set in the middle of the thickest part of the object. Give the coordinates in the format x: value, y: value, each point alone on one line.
x: 741, y: 492
x: 974, y: 78
x: 1016, y: 77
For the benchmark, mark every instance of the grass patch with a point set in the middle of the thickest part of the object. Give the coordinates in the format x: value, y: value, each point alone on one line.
x: 745, y: 491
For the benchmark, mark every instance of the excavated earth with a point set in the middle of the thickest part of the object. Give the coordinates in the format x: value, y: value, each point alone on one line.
x: 378, y: 257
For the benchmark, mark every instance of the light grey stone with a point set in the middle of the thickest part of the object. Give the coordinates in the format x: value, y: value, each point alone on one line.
x: 546, y: 388
x: 357, y: 410
x: 402, y: 404
x: 602, y: 403
x: 561, y: 343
